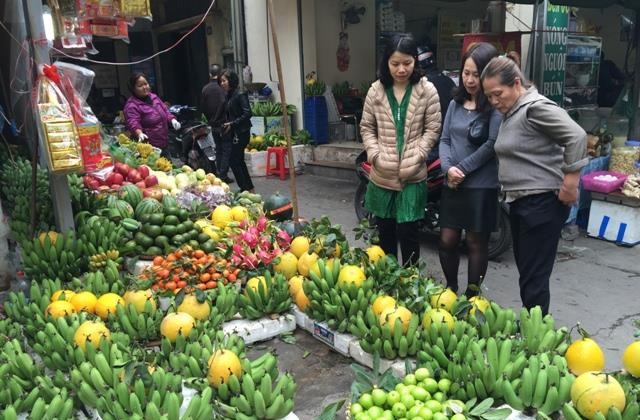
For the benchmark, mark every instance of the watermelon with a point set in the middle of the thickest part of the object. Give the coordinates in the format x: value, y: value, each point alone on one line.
x: 131, y: 194
x: 125, y: 209
x: 169, y: 201
x: 147, y: 206
x: 278, y: 207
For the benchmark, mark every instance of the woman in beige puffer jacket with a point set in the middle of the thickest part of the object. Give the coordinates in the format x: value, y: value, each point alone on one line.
x: 400, y: 125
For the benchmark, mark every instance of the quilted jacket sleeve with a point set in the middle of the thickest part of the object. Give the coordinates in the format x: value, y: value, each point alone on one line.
x: 369, y: 128
x: 432, y: 121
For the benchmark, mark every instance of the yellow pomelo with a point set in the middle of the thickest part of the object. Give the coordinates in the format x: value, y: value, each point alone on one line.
x: 631, y: 359
x: 288, y: 265
x: 239, y: 213
x: 60, y: 308
x: 295, y: 284
x: 84, y: 301
x: 351, y: 274
x: 381, y: 303
x: 223, y: 364
x: 302, y: 301
x: 57, y: 295
x: 305, y: 262
x: 176, y: 323
x: 584, y: 355
x: 444, y: 299
x: 374, y: 253
x: 439, y: 316
x: 107, y: 304
x: 390, y: 315
x: 221, y: 216
x: 197, y: 310
x: 139, y: 298
x: 594, y: 392
x: 299, y: 245
x: 93, y: 331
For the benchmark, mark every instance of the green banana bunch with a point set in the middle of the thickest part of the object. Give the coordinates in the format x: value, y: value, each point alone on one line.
x: 54, y: 343
x: 83, y: 200
x: 389, y: 341
x: 270, y: 297
x: 225, y: 300
x: 539, y: 333
x: 15, y: 191
x: 156, y: 395
x: 99, y: 235
x: 262, y: 392
x: 144, y: 326
x: 59, y: 256
x: 99, y: 261
x: 106, y: 280
x: 8, y: 329
x: 29, y: 314
x: 322, y: 289
x: 495, y: 321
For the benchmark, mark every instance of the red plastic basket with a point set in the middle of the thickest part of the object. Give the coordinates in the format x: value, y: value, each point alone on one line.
x: 589, y: 182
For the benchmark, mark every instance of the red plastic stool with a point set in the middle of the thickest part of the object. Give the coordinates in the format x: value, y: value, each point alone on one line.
x: 280, y: 153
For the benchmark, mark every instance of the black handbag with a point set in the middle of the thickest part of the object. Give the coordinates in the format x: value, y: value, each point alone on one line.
x: 478, y: 130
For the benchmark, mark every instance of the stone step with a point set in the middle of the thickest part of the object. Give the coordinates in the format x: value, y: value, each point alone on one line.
x: 342, y: 152
x: 332, y: 169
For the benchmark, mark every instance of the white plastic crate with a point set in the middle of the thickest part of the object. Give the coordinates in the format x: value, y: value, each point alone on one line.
x: 260, y: 329
x: 302, y: 320
x: 615, y: 218
x: 398, y: 366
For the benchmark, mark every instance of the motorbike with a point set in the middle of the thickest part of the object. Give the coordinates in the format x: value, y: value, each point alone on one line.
x: 193, y: 144
x: 499, y: 241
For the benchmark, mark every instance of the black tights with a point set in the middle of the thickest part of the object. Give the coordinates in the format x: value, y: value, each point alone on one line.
x: 478, y: 255
x: 390, y: 231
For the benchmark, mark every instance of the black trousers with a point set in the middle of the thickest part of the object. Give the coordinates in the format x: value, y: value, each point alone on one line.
x: 223, y: 153
x: 237, y: 163
x: 536, y: 223
x: 389, y: 231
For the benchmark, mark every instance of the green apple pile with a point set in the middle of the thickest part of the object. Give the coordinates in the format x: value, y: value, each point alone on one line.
x: 418, y: 397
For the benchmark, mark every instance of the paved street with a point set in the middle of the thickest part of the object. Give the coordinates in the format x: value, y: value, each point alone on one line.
x: 594, y: 282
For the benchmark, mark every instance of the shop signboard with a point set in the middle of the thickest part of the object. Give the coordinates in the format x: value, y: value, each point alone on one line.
x: 504, y: 42
x: 555, y: 52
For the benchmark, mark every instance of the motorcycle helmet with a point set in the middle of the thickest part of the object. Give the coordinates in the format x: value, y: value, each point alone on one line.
x: 426, y: 59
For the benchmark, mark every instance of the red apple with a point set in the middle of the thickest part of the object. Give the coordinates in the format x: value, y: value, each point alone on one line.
x: 117, y: 166
x: 134, y: 175
x: 141, y: 185
x: 115, y: 187
x: 125, y: 182
x: 90, y: 182
x: 151, y: 181
x: 118, y: 178
x: 111, y: 178
x: 144, y: 171
x: 124, y: 169
x: 146, y: 192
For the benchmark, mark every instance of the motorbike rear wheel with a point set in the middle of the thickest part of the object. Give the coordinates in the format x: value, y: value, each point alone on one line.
x: 361, y: 211
x: 500, y: 240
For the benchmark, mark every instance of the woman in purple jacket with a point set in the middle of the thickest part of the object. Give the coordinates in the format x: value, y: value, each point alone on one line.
x: 147, y: 117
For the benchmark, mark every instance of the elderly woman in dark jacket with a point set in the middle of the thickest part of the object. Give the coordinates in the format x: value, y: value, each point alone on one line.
x: 236, y: 128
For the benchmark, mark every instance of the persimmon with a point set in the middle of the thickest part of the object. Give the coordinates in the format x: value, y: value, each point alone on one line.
x: 170, y: 285
x: 158, y: 260
x: 211, y: 284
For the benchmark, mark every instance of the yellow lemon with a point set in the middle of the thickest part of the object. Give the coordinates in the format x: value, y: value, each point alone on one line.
x: 299, y: 245
x: 374, y: 253
x: 288, y: 265
x: 84, y: 301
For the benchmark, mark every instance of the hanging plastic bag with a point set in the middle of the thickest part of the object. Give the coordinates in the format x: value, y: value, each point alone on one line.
x: 58, y: 127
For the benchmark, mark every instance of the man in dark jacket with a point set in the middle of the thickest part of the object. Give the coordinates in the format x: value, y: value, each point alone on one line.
x: 213, y: 107
x: 444, y: 85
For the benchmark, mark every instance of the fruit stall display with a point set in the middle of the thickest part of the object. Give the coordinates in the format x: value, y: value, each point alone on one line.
x: 94, y: 336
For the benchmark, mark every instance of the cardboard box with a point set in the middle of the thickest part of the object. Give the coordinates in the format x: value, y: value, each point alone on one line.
x: 615, y: 218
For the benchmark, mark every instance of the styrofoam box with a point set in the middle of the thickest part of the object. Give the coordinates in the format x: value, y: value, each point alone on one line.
x: 302, y: 320
x: 616, y: 219
x: 140, y: 266
x: 337, y: 341
x: 256, y: 163
x: 260, y: 329
x: 398, y: 366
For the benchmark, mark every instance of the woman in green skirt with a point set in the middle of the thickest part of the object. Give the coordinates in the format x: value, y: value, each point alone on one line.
x: 400, y: 124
